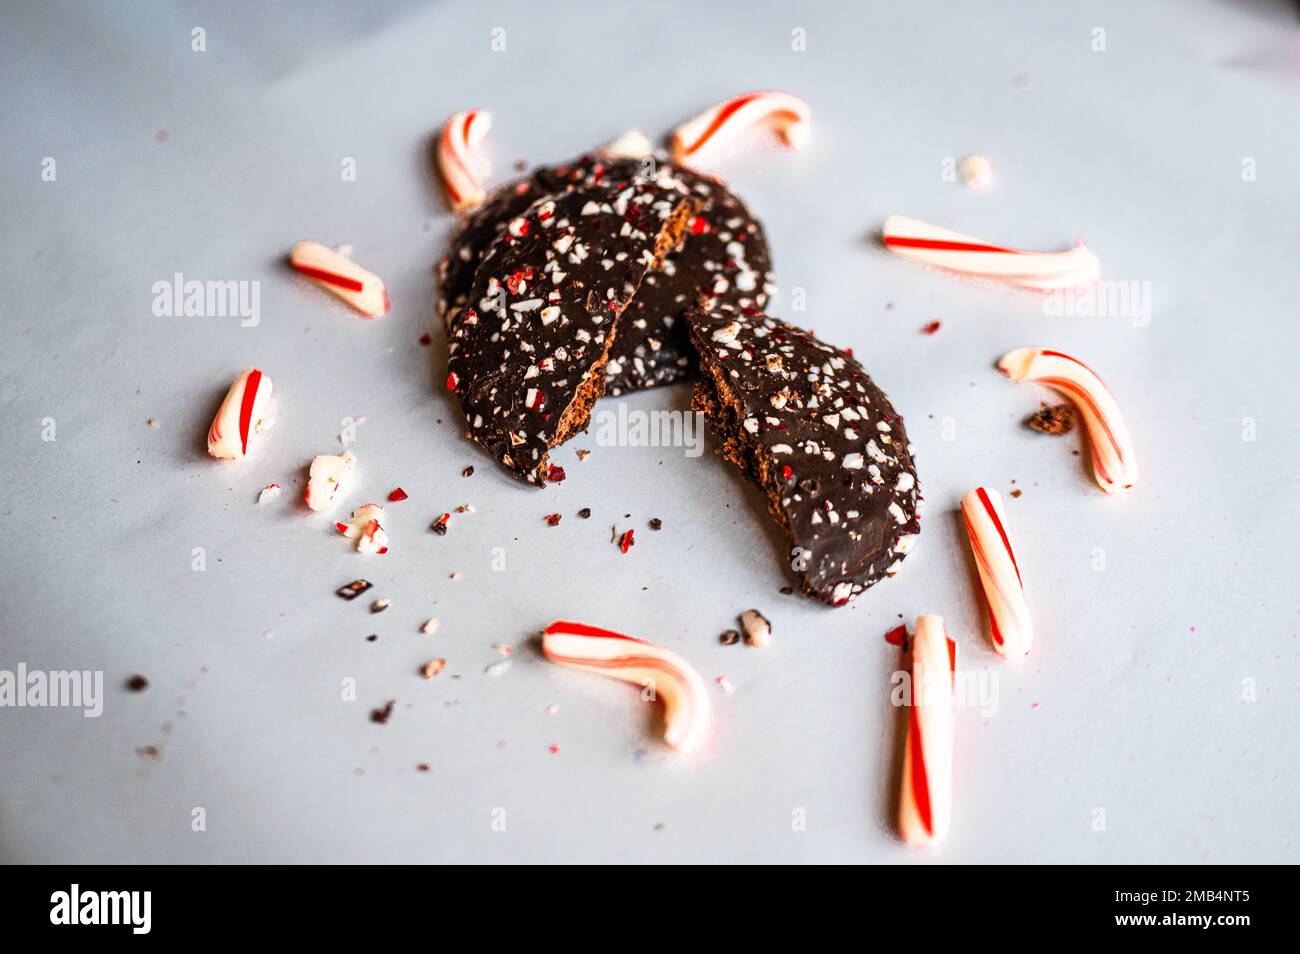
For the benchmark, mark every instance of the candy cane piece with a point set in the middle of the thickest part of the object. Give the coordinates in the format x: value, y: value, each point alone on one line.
x: 366, y: 529
x: 701, y: 139
x: 361, y: 289
x: 925, y: 806
x: 672, y: 678
x: 456, y: 162
x: 962, y: 255
x: 986, y: 525
x: 240, y: 416
x: 1113, y: 462
x: 633, y: 144
x: 328, y: 474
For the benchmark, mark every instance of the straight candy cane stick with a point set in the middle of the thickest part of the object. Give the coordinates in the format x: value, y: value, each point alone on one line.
x: 986, y: 525
x: 925, y: 806
x: 337, y: 273
x: 1113, y: 462
x: 687, y: 710
x: 962, y: 255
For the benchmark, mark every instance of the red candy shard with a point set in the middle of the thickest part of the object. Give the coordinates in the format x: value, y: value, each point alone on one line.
x: 897, y: 636
x: 553, y: 519
x: 625, y: 542
x: 451, y: 381
x: 931, y: 328
x: 397, y: 494
x: 556, y: 473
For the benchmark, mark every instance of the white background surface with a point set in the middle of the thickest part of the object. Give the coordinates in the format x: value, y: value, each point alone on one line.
x: 1132, y: 699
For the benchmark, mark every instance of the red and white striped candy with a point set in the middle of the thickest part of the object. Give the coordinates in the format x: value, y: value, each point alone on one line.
x: 925, y: 807
x: 366, y: 529
x: 687, y: 710
x: 986, y: 525
x: 361, y: 289
x: 701, y: 140
x: 328, y: 475
x: 1113, y: 462
x: 953, y: 252
x: 240, y: 416
x: 456, y: 161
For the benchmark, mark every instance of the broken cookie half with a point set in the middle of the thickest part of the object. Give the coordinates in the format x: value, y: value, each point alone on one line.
x: 527, y: 352
x: 807, y: 425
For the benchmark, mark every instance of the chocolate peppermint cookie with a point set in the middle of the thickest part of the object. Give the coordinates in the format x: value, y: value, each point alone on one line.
x: 527, y: 351
x: 807, y: 425
x: 726, y: 261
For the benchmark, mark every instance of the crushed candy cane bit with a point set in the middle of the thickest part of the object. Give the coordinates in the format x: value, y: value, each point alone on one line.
x: 725, y: 684
x: 365, y: 528
x: 329, y: 473
x: 378, y: 606
x: 553, y: 519
x: 433, y: 667
x: 976, y: 172
x: 897, y: 636
x: 498, y: 667
x: 626, y: 542
x: 240, y: 416
x: 931, y: 328
x: 430, y: 626
x: 396, y: 494
x: 269, y: 492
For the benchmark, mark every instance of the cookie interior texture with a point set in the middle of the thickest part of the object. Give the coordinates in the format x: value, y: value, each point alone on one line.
x: 527, y: 348
x: 806, y: 424
x: 724, y: 262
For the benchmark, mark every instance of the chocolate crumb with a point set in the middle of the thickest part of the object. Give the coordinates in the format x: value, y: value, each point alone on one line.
x: 149, y: 752
x: 583, y: 454
x: 1017, y: 492
x: 381, y: 715
x: 584, y: 513
x: 758, y: 631
x: 1054, y: 420
x: 787, y: 590
x: 729, y: 637
x: 656, y: 523
x: 372, y: 637
x: 137, y: 683
x: 424, y: 767
x: 433, y: 667
x: 378, y: 606
x: 468, y: 471
x: 354, y: 589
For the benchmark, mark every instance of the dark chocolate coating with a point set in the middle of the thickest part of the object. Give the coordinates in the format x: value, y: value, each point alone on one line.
x: 725, y: 259
x: 808, y: 426
x: 527, y: 351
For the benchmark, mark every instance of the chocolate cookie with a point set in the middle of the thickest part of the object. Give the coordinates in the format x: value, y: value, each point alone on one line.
x: 807, y: 425
x: 726, y: 260
x: 527, y: 353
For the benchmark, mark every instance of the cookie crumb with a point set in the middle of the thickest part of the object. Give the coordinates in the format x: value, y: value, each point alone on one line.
x: 729, y: 637
x: 137, y: 683
x: 433, y: 667
x: 468, y: 471
x: 152, y: 422
x: 381, y: 715
x: 1017, y: 492
x: 378, y: 606
x: 1055, y: 420
x: 424, y: 767
x: 430, y: 626
x: 584, y: 513
x: 583, y: 454
x: 656, y: 523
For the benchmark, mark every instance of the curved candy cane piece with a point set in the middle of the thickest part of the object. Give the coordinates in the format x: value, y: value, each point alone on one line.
x: 327, y: 476
x: 925, y: 807
x: 633, y: 144
x: 1113, y: 461
x: 361, y: 289
x: 241, y: 415
x: 460, y: 134
x: 701, y: 139
x: 1013, y: 632
x: 365, y: 528
x: 673, y: 679
x: 953, y: 252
